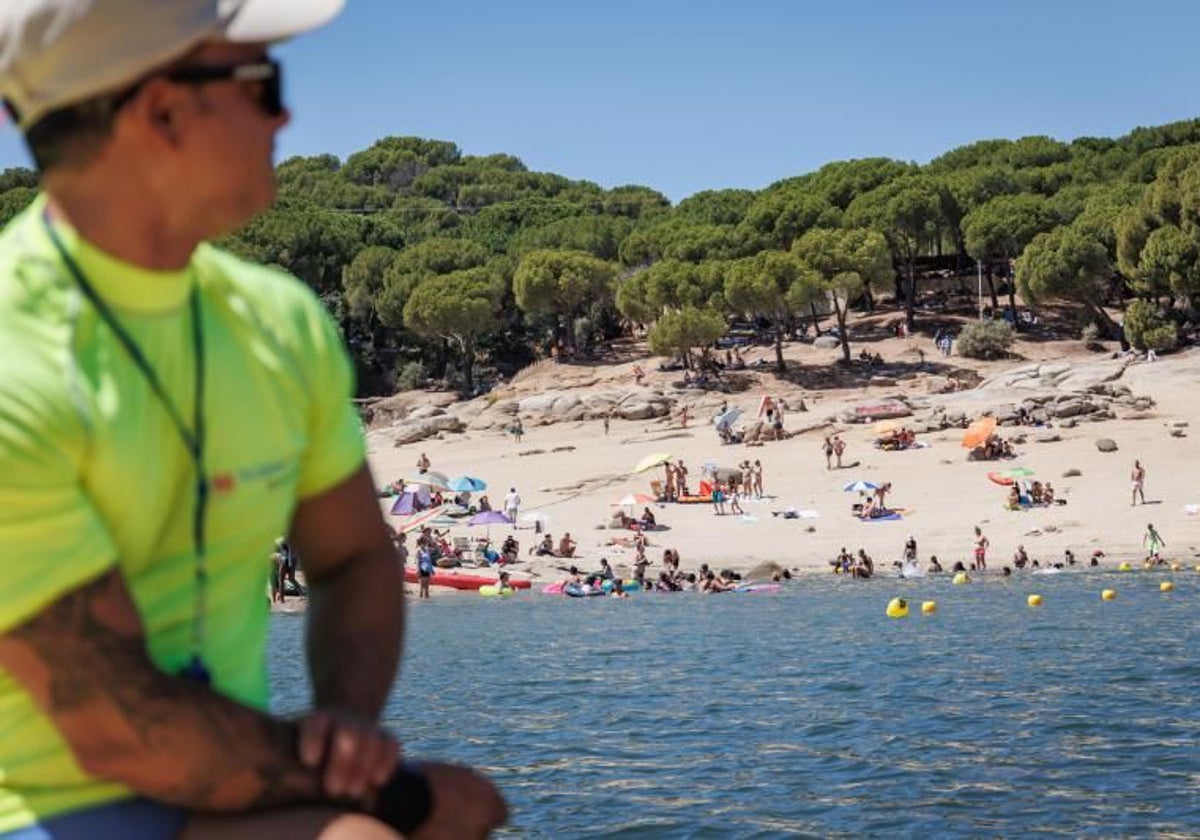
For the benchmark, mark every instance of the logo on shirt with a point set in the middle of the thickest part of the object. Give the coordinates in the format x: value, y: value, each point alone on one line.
x: 271, y: 473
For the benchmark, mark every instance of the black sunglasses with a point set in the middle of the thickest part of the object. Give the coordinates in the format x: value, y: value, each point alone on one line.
x: 268, y: 75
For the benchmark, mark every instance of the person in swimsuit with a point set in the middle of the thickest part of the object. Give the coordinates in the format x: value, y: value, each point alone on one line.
x: 1137, y: 478
x: 981, y: 547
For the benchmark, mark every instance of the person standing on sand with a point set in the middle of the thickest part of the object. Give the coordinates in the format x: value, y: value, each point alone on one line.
x: 606, y: 425
x: 734, y: 505
x: 518, y: 429
x: 981, y: 547
x: 512, y: 505
x: 1138, y: 478
x: 681, y: 474
x: 423, y: 464
x: 173, y: 409
x: 827, y: 448
x: 839, y: 449
x: 401, y: 540
x: 757, y: 474
x: 718, y: 498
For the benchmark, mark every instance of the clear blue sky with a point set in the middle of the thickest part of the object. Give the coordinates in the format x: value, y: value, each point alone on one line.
x: 686, y: 95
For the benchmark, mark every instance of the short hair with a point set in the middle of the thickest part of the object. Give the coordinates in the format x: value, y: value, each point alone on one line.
x: 73, y: 136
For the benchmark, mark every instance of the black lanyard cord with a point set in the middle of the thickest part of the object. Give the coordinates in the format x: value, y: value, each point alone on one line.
x: 193, y: 438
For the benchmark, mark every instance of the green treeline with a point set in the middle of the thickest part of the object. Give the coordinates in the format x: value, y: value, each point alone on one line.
x: 440, y: 265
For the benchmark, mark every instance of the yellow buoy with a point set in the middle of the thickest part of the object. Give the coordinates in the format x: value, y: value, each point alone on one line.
x: 928, y: 607
x: 1124, y: 567
x: 960, y: 579
x: 1109, y: 595
x: 1166, y: 586
x: 897, y: 608
x: 1035, y: 600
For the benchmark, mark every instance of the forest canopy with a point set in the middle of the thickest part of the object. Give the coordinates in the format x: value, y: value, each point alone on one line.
x: 441, y: 266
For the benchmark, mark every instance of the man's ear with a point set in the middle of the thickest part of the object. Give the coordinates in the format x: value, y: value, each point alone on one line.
x: 156, y: 111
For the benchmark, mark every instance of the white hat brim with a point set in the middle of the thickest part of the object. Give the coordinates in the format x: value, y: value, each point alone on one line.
x: 267, y: 21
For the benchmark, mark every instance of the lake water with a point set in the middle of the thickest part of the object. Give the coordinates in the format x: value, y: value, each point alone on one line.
x: 809, y: 712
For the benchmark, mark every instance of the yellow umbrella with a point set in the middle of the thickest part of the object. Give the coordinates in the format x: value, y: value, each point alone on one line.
x: 885, y: 426
x: 978, y: 432
x: 652, y: 461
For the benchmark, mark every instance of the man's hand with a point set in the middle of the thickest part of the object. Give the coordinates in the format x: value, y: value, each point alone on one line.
x: 354, y: 756
x: 465, y: 804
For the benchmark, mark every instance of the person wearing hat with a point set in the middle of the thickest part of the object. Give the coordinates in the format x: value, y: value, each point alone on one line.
x: 173, y: 411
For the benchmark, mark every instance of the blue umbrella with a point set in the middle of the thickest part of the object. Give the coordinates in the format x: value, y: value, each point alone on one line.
x: 725, y: 419
x: 467, y: 484
x: 860, y: 486
x: 489, y: 517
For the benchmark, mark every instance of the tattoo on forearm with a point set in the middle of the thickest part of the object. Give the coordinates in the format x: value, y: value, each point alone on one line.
x: 84, y: 661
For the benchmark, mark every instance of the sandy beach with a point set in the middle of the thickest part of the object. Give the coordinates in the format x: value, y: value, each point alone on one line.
x: 573, y: 471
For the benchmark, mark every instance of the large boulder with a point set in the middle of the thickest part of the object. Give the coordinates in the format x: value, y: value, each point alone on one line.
x: 412, y: 431
x: 1072, y: 408
x: 1106, y: 445
x: 826, y: 342
x: 640, y: 410
x: 424, y: 411
x: 867, y: 412
x: 551, y: 402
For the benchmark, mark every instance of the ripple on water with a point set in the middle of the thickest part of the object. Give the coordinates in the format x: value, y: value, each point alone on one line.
x: 809, y: 713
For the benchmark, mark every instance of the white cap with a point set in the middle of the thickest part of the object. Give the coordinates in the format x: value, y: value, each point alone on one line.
x: 54, y: 53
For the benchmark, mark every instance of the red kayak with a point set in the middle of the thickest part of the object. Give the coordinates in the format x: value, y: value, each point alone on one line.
x: 470, y: 583
x: 1002, y: 480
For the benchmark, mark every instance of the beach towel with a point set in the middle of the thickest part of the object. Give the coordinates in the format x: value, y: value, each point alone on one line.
x: 893, y: 515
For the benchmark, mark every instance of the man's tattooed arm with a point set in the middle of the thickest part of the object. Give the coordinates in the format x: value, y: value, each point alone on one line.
x: 84, y: 661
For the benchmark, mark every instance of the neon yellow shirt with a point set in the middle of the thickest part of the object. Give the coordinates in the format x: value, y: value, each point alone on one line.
x: 94, y: 475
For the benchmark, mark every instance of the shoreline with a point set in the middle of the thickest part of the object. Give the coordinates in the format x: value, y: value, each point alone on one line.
x: 1108, y: 567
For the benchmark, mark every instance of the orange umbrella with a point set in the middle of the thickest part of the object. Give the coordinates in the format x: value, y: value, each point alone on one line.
x: 978, y: 432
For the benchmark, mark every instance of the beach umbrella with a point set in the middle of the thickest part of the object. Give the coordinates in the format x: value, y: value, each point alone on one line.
x: 652, y: 461
x: 726, y: 418
x: 431, y: 479
x: 630, y: 499
x: 883, y: 427
x: 978, y: 432
x: 860, y: 486
x: 489, y: 517
x: 467, y: 484
x: 420, y: 520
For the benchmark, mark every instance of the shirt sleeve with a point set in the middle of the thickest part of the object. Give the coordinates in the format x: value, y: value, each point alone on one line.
x: 336, y: 447
x: 52, y: 539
